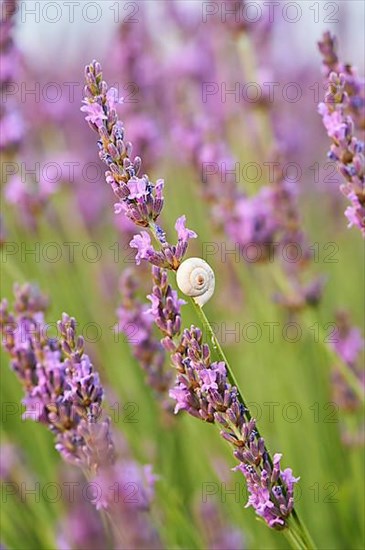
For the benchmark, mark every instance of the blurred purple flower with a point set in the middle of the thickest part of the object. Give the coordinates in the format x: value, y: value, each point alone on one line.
x: 349, y: 343
x: 217, y: 530
x: 12, y: 125
x: 253, y: 219
x: 136, y: 321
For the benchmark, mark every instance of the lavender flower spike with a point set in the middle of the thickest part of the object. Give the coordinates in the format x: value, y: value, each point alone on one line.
x: 138, y: 198
x: 165, y: 309
x: 354, y: 84
x: 203, y: 390
x: 63, y: 391
x: 346, y: 150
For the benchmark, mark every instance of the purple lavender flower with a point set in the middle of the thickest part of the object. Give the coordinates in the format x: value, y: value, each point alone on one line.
x: 129, y: 474
x: 169, y: 256
x: 202, y: 386
x: 348, y: 341
x: 354, y: 86
x: 338, y: 116
x: 355, y: 213
x: 62, y: 388
x: 110, y: 493
x: 139, y: 198
x: 81, y: 527
x: 266, y: 496
x: 63, y: 391
x: 219, y: 534
x: 203, y: 390
x: 253, y: 219
x: 145, y: 251
x: 127, y: 489
x: 94, y: 113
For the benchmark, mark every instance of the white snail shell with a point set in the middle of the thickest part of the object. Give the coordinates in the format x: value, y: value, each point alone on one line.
x: 196, y: 278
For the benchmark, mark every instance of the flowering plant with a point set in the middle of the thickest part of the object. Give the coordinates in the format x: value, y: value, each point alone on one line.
x: 209, y: 372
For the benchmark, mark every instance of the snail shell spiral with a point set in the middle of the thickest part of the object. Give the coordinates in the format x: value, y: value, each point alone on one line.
x: 196, y: 278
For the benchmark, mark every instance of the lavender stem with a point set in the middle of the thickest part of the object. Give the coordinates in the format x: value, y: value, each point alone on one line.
x: 296, y: 532
x: 216, y: 345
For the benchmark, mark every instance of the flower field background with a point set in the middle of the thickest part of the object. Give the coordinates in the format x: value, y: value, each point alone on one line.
x: 259, y: 142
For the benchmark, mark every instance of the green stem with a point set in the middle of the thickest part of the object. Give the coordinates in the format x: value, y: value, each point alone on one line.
x: 297, y: 537
x: 216, y: 345
x: 292, y: 538
x: 296, y: 532
x: 300, y: 532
